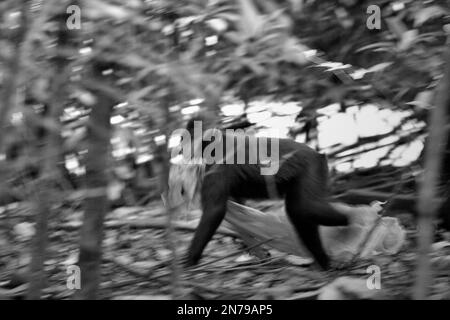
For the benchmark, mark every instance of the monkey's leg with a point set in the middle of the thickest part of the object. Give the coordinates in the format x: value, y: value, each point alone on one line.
x: 214, y: 196
x: 322, y: 213
x: 307, y: 229
x: 312, y: 188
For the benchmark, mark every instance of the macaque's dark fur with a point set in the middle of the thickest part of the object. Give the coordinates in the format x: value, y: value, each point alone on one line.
x: 301, y: 180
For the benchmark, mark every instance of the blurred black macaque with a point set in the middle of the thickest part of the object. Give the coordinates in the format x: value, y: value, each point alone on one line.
x: 301, y: 180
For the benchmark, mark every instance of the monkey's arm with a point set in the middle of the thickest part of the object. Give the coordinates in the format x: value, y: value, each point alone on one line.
x: 214, y: 205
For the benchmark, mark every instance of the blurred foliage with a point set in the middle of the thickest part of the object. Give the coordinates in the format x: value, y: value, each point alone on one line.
x: 157, y: 55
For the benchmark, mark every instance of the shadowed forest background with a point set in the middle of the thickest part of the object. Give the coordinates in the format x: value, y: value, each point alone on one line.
x: 90, y: 92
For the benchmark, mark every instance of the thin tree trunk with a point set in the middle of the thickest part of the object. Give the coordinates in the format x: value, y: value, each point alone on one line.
x: 51, y: 151
x: 96, y: 202
x: 428, y: 189
x: 10, y: 87
x: 164, y: 187
x: 444, y: 211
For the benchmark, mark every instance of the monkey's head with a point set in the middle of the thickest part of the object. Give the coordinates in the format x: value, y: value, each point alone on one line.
x: 205, y: 119
x: 200, y: 128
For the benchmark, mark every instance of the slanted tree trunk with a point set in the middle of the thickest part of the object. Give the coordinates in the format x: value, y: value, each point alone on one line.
x: 96, y: 203
x: 51, y: 151
x: 429, y: 187
x: 444, y: 211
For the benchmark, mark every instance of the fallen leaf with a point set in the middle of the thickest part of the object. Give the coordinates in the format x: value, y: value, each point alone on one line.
x: 24, y: 231
x: 298, y: 261
x: 244, y: 258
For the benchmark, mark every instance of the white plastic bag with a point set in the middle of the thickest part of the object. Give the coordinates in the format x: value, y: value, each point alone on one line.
x: 341, y: 243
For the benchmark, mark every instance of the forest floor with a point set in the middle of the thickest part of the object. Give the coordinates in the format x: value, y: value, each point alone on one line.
x: 137, y: 262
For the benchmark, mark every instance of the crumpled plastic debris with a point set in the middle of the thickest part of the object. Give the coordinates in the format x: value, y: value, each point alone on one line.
x: 341, y: 243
